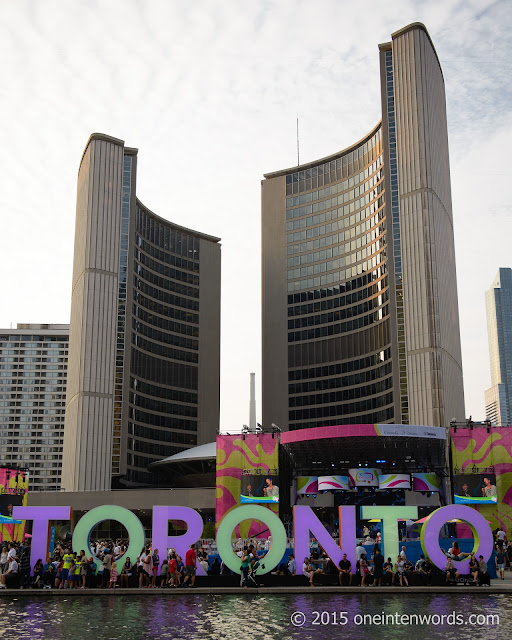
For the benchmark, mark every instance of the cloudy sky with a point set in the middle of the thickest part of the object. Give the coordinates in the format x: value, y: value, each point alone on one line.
x: 209, y: 92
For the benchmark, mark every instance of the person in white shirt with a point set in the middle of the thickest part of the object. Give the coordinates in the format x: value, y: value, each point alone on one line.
x: 10, y: 574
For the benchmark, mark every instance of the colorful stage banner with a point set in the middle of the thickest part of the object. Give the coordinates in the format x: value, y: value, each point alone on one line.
x: 485, y: 451
x: 307, y: 484
x: 426, y: 482
x: 13, y: 493
x: 363, y: 477
x: 327, y: 483
x: 395, y: 481
x: 248, y: 461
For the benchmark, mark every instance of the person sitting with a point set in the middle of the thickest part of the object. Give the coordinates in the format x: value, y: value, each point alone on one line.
x: 484, y: 579
x: 389, y: 574
x: 10, y: 577
x: 310, y: 570
x: 452, y: 575
x: 425, y: 572
x: 473, y: 568
x: 400, y: 571
x: 345, y: 571
x: 38, y: 574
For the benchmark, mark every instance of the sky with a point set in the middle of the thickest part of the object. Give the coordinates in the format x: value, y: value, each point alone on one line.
x: 209, y: 92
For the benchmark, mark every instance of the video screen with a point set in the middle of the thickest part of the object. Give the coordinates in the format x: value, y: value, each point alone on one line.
x: 259, y: 489
x: 8, y: 501
x: 475, y: 489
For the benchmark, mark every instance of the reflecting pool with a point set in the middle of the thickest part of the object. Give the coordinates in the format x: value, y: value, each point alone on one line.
x: 266, y: 616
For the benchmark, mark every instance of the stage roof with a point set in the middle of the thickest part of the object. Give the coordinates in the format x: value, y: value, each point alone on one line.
x: 392, y: 448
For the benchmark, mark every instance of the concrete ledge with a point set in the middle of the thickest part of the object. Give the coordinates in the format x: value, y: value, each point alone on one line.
x: 58, y: 593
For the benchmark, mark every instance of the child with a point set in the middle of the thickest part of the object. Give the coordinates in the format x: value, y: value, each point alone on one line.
x: 113, y: 574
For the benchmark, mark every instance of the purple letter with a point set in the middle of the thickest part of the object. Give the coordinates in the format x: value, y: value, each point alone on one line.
x: 40, y: 517
x: 430, y: 534
x: 161, y: 541
x: 305, y: 521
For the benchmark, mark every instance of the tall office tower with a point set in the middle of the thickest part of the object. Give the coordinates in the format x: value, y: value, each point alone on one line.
x: 360, y: 313
x: 33, y: 370
x: 144, y: 351
x: 498, y: 300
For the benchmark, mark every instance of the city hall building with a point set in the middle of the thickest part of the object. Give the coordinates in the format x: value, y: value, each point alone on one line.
x: 360, y: 312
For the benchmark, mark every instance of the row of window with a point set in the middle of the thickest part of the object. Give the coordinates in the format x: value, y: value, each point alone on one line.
x: 337, y: 250
x: 167, y: 325
x: 340, y: 328
x: 165, y: 283
x: 142, y: 446
x: 42, y: 389
x: 336, y: 316
x: 318, y: 294
x: 164, y: 352
x: 163, y: 256
x: 168, y: 272
x: 166, y: 237
x: 348, y: 259
x: 372, y: 266
x: 340, y: 367
x: 167, y: 298
x: 335, y: 303
x: 163, y: 372
x: 151, y: 404
x: 160, y: 392
x: 161, y: 435
x: 30, y: 339
x: 345, y: 347
x: 343, y: 213
x: 369, y: 215
x: 378, y: 417
x: 161, y: 421
x: 341, y: 396
x: 355, y: 185
x: 362, y: 406
x: 6, y: 411
x: 337, y: 169
x: 163, y: 310
x: 166, y: 338
x: 340, y: 382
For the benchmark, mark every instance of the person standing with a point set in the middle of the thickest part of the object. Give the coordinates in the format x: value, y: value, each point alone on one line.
x: 378, y: 562
x: 500, y: 563
x: 190, y: 566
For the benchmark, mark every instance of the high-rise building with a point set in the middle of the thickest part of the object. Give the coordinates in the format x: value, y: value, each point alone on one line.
x: 33, y: 370
x: 360, y: 312
x: 144, y: 352
x: 498, y: 300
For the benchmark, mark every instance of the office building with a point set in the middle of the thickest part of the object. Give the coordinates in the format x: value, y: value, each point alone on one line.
x: 144, y: 350
x: 33, y: 370
x: 360, y: 312
x: 498, y: 300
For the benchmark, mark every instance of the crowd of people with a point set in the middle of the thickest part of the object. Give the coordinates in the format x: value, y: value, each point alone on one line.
x: 111, y: 568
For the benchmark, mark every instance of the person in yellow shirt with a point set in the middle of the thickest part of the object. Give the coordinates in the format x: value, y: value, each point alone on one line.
x: 66, y: 564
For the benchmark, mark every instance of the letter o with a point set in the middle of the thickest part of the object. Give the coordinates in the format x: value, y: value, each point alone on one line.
x: 251, y: 512
x: 130, y: 521
x: 483, y: 544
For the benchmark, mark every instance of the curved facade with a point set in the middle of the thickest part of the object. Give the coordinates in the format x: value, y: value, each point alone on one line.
x: 360, y: 319
x: 145, y: 330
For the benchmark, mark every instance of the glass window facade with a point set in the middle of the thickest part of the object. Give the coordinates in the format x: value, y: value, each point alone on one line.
x: 338, y: 291
x: 163, y: 397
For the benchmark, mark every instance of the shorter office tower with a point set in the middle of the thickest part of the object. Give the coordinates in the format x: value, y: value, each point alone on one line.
x: 33, y: 372
x: 144, y: 361
x: 498, y: 301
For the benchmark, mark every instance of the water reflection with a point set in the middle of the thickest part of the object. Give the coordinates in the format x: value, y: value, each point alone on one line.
x: 262, y: 616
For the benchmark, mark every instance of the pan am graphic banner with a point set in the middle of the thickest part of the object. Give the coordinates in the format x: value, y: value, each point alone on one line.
x: 395, y: 481
x: 248, y: 455
x: 487, y: 450
x: 326, y: 483
x: 13, y: 493
x: 363, y: 477
x: 426, y: 482
x: 307, y: 484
